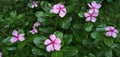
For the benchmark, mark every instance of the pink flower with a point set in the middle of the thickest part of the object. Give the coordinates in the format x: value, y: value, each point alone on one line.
x: 94, y: 6
x: 111, y: 31
x: 34, y: 4
x: 59, y: 8
x: 0, y: 54
x: 36, y: 24
x: 53, y: 43
x: 17, y: 37
x: 33, y: 31
x: 91, y: 16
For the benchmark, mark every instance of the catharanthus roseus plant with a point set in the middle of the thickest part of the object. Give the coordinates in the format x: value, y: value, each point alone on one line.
x: 59, y: 28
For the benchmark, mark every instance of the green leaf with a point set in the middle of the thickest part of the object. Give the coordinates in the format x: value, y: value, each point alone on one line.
x: 95, y: 35
x: 46, y: 29
x: 91, y: 55
x: 88, y: 27
x: 57, y: 54
x: 39, y: 41
x: 69, y: 51
x: 70, y: 8
x: 36, y: 51
x: 21, y: 45
x: 67, y: 39
x: 59, y: 34
x: 39, y: 14
x: 66, y: 23
x: 109, y: 0
x: 108, y: 52
x: 7, y: 41
x: 81, y: 14
x: 11, y: 48
x: 109, y: 42
x: 45, y: 6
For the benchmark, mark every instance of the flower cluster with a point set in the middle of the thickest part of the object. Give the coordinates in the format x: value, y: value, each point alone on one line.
x: 93, y: 12
x: 34, y: 30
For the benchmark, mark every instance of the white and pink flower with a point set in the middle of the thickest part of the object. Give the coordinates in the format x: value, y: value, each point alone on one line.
x: 111, y: 31
x: 36, y: 24
x: 91, y: 16
x: 94, y: 6
x: 34, y: 31
x: 34, y: 4
x: 59, y: 8
x: 53, y: 43
x: 17, y: 37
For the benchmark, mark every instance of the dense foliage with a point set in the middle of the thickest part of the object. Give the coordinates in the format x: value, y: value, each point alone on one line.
x: 27, y: 28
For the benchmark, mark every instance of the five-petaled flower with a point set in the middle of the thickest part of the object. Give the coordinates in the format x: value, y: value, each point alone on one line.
x: 0, y: 54
x: 17, y: 37
x: 34, y: 30
x: 94, y: 6
x: 36, y: 25
x: 111, y: 31
x: 59, y: 8
x: 53, y: 43
x: 34, y: 4
x: 91, y: 16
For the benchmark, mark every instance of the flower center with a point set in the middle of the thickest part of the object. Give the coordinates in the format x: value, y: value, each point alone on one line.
x: 93, y: 7
x: 111, y: 30
x: 61, y: 8
x: 52, y: 42
x: 91, y: 15
x: 17, y: 37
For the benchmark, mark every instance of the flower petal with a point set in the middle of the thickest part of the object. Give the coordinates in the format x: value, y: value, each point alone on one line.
x: 62, y: 13
x: 114, y: 35
x: 13, y: 39
x: 95, y: 14
x: 0, y: 54
x: 47, y: 41
x: 87, y: 19
x: 89, y: 5
x: 98, y: 6
x: 94, y: 3
x: 57, y: 41
x: 57, y: 47
x: 21, y: 37
x: 15, y: 33
x: 52, y: 37
x: 49, y: 48
x: 116, y: 31
x: 86, y: 14
x: 108, y: 34
x: 93, y: 19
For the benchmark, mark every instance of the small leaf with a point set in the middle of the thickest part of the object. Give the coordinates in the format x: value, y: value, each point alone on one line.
x: 36, y: 51
x: 67, y: 39
x: 66, y: 23
x: 57, y: 54
x: 88, y: 27
x: 109, y: 42
x: 7, y: 41
x: 39, y: 41
x: 59, y: 34
x: 39, y: 14
x: 46, y: 29
x: 21, y: 45
x: 69, y: 51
